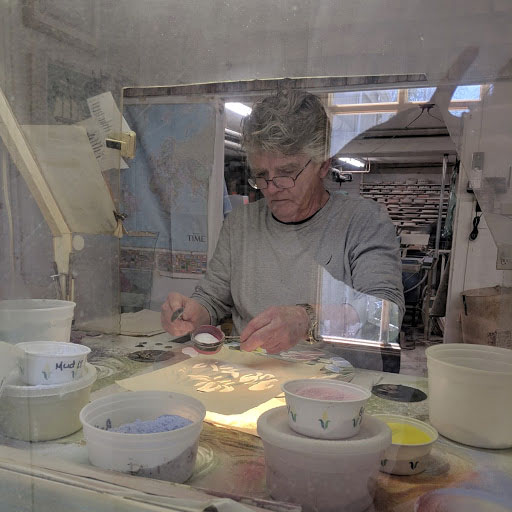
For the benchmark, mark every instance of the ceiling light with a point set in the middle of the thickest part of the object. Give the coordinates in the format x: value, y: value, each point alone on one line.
x: 352, y: 161
x: 239, y: 108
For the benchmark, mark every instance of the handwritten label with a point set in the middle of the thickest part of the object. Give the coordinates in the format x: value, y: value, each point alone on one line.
x: 61, y: 365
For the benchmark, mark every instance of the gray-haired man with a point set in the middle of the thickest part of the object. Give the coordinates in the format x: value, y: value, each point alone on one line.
x: 271, y: 254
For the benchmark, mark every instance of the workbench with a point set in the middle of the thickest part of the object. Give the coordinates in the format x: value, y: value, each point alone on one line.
x: 230, y: 463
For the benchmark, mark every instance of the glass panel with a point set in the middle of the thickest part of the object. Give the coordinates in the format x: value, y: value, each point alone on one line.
x: 458, y: 111
x: 420, y: 94
x: 467, y: 92
x: 358, y: 97
x: 421, y: 231
x: 346, y: 127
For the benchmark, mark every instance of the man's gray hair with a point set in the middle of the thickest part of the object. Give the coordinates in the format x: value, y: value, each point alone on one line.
x: 290, y: 122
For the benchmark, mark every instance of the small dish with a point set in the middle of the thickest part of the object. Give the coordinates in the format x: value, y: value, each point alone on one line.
x: 407, y: 457
x: 207, y: 339
x: 325, y: 408
x: 51, y: 362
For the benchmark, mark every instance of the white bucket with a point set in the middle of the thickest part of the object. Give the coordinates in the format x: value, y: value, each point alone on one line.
x: 322, y: 474
x: 35, y: 320
x: 470, y: 398
x: 43, y: 413
x: 164, y: 455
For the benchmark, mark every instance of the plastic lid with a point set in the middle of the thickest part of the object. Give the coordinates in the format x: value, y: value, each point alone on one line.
x: 273, y: 428
x: 13, y: 387
x: 34, y: 304
x: 452, y: 355
x: 53, y: 348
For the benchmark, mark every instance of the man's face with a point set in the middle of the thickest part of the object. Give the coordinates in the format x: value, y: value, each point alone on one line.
x: 304, y: 198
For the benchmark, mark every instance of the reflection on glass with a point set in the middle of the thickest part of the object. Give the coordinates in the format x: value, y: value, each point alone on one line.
x: 420, y: 94
x: 459, y: 112
x: 346, y: 127
x: 346, y: 313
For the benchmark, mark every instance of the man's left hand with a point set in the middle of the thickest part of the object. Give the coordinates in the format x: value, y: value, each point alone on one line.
x: 276, y: 329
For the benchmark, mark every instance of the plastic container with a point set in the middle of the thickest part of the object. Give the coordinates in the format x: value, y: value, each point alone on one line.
x: 165, y: 455
x: 35, y: 319
x: 52, y: 362
x: 407, y: 459
x: 336, y: 418
x: 319, y: 474
x: 42, y: 413
x: 208, y: 348
x: 469, y: 393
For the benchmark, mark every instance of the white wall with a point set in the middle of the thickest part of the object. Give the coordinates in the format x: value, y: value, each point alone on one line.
x: 473, y: 265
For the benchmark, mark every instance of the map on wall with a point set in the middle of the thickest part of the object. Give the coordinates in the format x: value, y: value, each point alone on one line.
x: 165, y: 190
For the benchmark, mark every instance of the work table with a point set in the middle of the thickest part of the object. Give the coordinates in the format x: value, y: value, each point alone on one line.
x: 231, y: 462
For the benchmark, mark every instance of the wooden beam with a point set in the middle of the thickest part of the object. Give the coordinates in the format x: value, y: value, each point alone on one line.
x: 24, y: 159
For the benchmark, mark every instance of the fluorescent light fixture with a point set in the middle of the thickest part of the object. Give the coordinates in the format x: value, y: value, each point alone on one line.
x: 352, y: 161
x: 239, y: 108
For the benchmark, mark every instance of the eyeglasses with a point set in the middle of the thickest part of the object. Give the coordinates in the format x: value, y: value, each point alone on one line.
x: 261, y: 183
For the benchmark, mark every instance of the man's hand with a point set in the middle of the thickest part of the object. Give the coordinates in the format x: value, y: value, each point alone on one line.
x: 194, y: 314
x: 276, y: 329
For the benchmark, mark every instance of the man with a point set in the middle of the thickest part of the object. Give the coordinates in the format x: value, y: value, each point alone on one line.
x: 272, y: 254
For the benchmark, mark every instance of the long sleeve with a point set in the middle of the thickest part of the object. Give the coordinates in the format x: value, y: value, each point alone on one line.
x: 374, y: 256
x: 214, y: 290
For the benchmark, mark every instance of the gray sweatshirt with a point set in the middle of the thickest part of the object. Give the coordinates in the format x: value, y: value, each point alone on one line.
x: 260, y: 262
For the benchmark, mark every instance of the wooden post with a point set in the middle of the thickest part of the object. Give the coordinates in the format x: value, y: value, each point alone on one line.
x: 26, y: 162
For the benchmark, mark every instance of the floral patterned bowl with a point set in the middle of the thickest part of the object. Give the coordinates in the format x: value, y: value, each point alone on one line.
x: 51, y: 362
x: 324, y: 408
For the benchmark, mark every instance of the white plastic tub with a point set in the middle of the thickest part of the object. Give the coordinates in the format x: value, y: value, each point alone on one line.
x: 35, y: 319
x: 320, y: 474
x: 470, y: 398
x: 164, y: 455
x: 42, y: 413
x: 52, y: 362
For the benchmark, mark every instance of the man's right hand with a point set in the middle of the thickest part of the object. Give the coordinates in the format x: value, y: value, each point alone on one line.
x: 194, y: 314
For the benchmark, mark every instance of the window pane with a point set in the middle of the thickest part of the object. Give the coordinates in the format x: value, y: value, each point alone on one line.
x: 346, y: 127
x: 357, y: 97
x: 458, y: 111
x: 420, y: 94
x: 467, y: 92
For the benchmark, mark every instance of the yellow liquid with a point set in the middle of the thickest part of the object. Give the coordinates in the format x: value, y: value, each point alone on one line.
x: 402, y: 433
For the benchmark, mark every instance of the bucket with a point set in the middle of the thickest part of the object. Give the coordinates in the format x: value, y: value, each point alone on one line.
x: 35, y: 320
x: 469, y: 394
x: 43, y: 413
x: 486, y: 318
x: 322, y: 474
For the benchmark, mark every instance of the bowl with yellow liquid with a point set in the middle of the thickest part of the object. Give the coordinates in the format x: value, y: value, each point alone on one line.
x: 411, y: 443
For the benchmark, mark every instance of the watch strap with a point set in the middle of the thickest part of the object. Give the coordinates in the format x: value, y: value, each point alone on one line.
x: 311, y: 337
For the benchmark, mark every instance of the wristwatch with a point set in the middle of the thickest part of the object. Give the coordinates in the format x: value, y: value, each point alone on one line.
x: 311, y: 337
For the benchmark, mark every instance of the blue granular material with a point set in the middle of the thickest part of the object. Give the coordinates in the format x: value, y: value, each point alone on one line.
x: 163, y: 423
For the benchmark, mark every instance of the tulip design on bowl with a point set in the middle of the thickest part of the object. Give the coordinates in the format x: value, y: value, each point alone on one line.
x: 324, y: 420
x: 358, y: 420
x: 46, y: 372
x: 292, y: 413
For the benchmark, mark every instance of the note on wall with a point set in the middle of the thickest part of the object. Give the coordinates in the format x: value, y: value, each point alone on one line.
x: 105, y: 120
